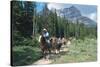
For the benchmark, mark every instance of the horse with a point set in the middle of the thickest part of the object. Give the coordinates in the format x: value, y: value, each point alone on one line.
x: 59, y: 44
x: 53, y: 41
x: 56, y: 44
x: 44, y: 46
x: 66, y: 41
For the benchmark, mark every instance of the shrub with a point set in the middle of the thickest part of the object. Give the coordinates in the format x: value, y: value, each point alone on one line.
x: 25, y: 55
x: 19, y: 40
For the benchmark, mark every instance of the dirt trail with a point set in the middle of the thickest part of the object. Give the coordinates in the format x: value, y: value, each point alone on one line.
x: 43, y: 61
x: 53, y: 57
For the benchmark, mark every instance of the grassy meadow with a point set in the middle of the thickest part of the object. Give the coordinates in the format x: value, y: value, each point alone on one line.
x: 80, y: 51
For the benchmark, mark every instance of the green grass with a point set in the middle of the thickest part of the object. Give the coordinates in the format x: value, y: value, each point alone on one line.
x: 25, y: 55
x: 80, y: 51
x: 25, y: 51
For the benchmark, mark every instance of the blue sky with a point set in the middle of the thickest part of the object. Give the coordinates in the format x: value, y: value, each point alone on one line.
x: 86, y: 10
x: 40, y: 6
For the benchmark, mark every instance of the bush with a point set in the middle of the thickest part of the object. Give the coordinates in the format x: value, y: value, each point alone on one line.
x: 19, y: 40
x: 25, y: 50
x: 25, y: 55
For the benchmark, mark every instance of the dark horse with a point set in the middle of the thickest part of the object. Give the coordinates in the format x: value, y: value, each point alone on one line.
x: 44, y: 47
x: 56, y: 44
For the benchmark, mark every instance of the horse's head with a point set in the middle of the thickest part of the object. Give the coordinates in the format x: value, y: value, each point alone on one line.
x: 64, y: 40
x: 53, y: 40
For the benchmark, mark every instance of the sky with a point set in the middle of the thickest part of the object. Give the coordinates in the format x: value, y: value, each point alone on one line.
x: 40, y: 6
x: 89, y: 11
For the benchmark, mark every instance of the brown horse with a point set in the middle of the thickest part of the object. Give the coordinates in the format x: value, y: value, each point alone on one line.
x: 44, y: 47
x: 53, y: 41
x: 66, y: 41
x: 56, y: 44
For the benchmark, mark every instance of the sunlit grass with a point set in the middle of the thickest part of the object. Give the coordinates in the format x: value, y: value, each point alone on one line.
x: 80, y: 51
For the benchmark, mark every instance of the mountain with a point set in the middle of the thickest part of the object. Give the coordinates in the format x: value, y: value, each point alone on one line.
x: 87, y: 21
x: 73, y: 14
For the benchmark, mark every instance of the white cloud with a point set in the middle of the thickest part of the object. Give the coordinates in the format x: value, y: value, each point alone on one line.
x: 56, y: 6
x: 92, y: 16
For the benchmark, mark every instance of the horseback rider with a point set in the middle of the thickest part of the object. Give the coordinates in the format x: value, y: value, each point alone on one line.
x: 45, y: 34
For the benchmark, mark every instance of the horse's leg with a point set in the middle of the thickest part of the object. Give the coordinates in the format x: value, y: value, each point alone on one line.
x: 48, y: 54
x: 56, y: 48
x: 43, y: 53
x: 50, y: 48
x: 60, y: 45
x: 53, y: 48
x: 56, y: 51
